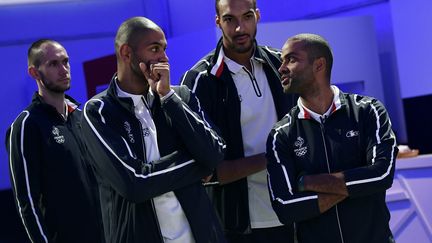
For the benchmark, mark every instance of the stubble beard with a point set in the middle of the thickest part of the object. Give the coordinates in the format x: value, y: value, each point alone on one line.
x: 52, y: 86
x: 137, y: 70
x: 240, y: 48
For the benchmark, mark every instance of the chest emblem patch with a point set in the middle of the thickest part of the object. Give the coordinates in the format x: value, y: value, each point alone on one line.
x: 300, y: 150
x: 146, y: 132
x: 352, y: 133
x: 56, y: 135
x: 128, y: 129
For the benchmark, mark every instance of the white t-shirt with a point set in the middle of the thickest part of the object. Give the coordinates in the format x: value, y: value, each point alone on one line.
x: 173, y: 223
x: 258, y: 115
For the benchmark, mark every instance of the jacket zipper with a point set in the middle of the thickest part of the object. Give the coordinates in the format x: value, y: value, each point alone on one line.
x: 253, y: 80
x: 329, y: 171
x: 145, y: 161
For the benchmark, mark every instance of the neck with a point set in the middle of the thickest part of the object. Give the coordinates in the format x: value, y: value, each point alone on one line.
x: 55, y: 99
x: 240, y: 58
x: 318, y: 100
x: 132, y: 84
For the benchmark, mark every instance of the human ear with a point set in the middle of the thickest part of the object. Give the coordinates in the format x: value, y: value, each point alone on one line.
x: 319, y: 64
x: 217, y: 21
x: 257, y: 14
x: 33, y: 72
x: 125, y: 52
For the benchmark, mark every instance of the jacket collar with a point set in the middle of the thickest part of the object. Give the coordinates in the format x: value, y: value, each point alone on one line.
x: 125, y: 102
x: 129, y: 102
x: 218, y: 61
x: 338, y: 101
x: 71, y: 103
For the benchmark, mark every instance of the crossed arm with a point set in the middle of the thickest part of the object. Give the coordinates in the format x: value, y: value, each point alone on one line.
x: 331, y: 188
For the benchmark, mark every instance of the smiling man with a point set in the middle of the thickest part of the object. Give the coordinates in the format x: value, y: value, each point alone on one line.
x: 54, y: 187
x: 332, y: 157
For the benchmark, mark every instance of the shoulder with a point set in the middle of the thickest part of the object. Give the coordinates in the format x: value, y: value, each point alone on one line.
x: 23, y: 116
x: 363, y: 102
x: 102, y: 97
x: 285, y: 123
x: 183, y: 92
x: 28, y: 121
x: 273, y: 53
x: 198, y: 70
x: 271, y: 50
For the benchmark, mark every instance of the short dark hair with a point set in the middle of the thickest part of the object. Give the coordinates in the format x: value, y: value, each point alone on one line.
x: 316, y: 46
x: 131, y: 30
x: 35, y: 53
x: 217, y: 6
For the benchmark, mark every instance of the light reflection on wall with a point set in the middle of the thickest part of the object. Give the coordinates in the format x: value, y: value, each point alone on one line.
x: 15, y: 2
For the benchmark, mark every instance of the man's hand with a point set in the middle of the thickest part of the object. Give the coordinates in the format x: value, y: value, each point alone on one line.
x: 331, y: 188
x: 326, y: 183
x: 232, y: 170
x: 158, y: 77
x: 327, y: 201
x: 207, y: 178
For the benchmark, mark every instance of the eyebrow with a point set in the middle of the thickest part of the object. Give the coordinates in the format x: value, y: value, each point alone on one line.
x: 157, y: 43
x: 230, y: 15
x: 290, y: 54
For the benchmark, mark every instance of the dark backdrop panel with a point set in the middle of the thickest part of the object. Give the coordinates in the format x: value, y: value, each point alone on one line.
x: 98, y: 73
x: 418, y: 119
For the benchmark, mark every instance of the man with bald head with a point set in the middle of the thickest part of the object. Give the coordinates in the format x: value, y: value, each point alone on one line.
x: 55, y: 191
x: 151, y: 146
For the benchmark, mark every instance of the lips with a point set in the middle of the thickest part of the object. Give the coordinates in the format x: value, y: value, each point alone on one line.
x: 241, y: 38
x: 285, y: 80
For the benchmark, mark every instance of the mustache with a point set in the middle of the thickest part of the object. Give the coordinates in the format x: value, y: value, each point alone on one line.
x: 65, y: 77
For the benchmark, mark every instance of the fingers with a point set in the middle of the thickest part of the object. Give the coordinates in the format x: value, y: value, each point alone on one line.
x: 207, y: 178
x: 159, y: 70
x: 158, y: 76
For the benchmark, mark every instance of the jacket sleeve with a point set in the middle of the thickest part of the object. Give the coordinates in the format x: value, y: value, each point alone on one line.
x: 195, y: 130
x: 23, y: 142
x: 289, y: 204
x: 381, y: 150
x: 117, y: 164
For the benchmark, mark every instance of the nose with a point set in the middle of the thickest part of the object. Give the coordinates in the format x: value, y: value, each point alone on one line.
x: 164, y: 57
x: 64, y: 69
x: 240, y: 26
x: 283, y: 69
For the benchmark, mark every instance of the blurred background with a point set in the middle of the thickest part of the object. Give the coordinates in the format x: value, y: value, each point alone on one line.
x: 381, y: 48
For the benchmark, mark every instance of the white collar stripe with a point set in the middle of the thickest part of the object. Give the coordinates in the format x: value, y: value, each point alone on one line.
x: 219, y: 63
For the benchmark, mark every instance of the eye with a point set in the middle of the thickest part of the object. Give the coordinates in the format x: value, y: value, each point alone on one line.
x: 227, y: 19
x: 155, y: 49
x: 292, y: 59
x: 53, y: 63
x: 249, y: 16
x: 66, y: 62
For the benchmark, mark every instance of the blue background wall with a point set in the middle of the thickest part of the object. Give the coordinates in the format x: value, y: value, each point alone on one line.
x: 87, y: 28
